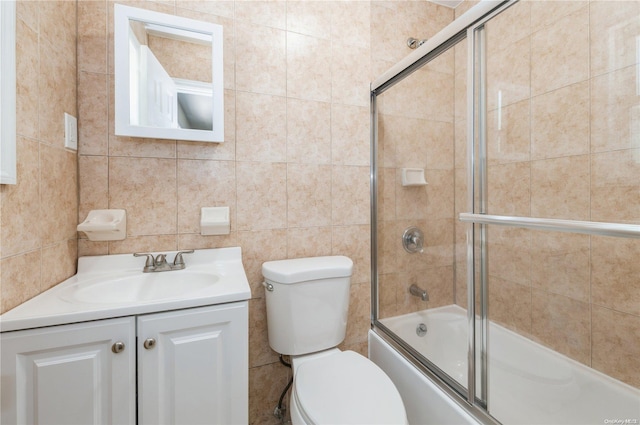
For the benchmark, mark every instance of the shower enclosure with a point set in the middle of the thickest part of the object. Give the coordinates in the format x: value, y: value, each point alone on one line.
x: 524, y: 118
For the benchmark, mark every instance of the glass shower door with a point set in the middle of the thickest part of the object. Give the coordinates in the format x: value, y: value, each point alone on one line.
x: 557, y: 211
x: 418, y: 164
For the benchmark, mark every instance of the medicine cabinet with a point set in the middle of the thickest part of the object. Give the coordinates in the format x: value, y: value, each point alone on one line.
x: 168, y: 76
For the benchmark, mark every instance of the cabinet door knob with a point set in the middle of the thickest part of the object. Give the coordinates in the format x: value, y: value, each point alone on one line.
x: 118, y: 347
x: 149, y: 343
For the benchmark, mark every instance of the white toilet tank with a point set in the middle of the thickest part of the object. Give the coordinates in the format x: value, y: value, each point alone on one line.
x: 307, y: 303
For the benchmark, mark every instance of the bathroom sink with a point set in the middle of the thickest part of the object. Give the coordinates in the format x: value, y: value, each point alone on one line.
x: 108, y: 286
x: 139, y: 287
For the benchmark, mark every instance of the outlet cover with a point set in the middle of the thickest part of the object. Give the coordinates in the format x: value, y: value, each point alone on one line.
x: 70, y: 132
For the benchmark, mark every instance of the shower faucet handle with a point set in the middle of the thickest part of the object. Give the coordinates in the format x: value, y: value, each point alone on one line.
x: 413, y: 240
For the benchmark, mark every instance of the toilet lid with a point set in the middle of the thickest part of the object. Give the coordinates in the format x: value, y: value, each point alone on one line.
x: 347, y: 388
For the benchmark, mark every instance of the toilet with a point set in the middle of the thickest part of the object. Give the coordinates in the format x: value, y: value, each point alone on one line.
x: 307, y: 308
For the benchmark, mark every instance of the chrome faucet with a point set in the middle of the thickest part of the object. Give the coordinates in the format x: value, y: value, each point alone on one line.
x: 419, y: 292
x: 159, y: 262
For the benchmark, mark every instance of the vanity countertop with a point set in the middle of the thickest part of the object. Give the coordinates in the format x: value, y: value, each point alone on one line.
x: 111, y: 286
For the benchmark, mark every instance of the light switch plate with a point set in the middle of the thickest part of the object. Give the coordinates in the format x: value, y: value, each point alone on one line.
x: 70, y: 132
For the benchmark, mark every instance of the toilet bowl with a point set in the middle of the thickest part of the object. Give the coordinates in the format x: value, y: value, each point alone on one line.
x: 343, y: 387
x: 307, y: 308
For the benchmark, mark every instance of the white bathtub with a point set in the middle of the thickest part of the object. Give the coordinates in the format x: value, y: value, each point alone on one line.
x: 528, y: 383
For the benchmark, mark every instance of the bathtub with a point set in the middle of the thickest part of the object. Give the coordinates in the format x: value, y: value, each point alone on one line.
x: 528, y: 383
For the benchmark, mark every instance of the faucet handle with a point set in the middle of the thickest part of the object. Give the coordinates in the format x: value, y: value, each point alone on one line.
x: 150, y: 263
x: 161, y: 259
x: 179, y: 261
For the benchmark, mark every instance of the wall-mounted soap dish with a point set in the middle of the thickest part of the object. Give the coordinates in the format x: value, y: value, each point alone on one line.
x: 413, y: 177
x: 105, y: 225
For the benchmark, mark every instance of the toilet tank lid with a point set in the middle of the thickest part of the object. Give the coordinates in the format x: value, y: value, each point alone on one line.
x: 302, y: 269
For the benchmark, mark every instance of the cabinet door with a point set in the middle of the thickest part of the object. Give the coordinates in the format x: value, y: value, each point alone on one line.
x: 69, y: 374
x: 196, y: 372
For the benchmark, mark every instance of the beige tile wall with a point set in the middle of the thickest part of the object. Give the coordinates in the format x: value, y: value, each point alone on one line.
x: 294, y: 167
x: 39, y: 214
x: 415, y: 130
x: 564, y: 144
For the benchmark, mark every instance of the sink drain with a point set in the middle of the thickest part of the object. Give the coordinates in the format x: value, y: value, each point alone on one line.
x: 421, y: 330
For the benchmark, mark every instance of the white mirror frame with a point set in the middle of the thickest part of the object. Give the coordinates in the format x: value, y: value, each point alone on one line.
x: 8, y: 92
x: 122, y: 16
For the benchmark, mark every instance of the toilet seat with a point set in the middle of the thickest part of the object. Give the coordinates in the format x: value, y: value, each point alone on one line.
x: 346, y: 388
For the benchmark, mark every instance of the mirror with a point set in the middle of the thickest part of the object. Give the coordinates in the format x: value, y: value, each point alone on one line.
x: 8, y: 92
x: 168, y: 76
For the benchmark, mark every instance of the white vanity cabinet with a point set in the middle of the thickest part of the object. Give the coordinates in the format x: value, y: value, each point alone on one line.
x: 187, y: 366
x: 193, y: 366
x: 69, y: 374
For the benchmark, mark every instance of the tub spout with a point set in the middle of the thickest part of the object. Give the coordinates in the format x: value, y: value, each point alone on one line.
x: 419, y: 292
